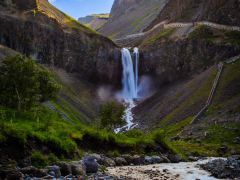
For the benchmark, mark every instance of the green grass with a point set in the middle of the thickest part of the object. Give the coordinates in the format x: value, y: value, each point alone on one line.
x: 101, y: 15
x: 40, y: 160
x: 202, y: 92
x: 201, y: 32
x: 233, y: 37
x: 174, y: 129
x: 161, y: 35
x: 64, y: 138
x: 219, y: 134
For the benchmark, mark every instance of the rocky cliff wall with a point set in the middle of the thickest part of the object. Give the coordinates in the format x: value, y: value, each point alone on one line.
x: 37, y: 34
x: 218, y: 11
x: 174, y: 60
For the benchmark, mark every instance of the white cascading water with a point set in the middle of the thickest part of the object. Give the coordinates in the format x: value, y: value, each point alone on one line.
x: 130, y: 85
x: 129, y: 77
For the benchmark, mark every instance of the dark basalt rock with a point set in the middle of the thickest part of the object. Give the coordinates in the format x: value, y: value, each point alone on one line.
x: 34, y: 172
x: 94, y: 57
x: 90, y: 164
x: 65, y: 168
x: 221, y: 168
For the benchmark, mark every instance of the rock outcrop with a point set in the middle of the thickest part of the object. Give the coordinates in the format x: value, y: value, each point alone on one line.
x: 38, y: 29
x: 218, y: 11
x: 131, y: 16
x: 95, y: 21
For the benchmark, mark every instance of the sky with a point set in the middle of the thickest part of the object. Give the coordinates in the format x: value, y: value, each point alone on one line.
x: 82, y: 8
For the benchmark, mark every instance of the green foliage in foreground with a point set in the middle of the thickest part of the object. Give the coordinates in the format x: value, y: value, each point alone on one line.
x: 65, y: 138
x: 112, y: 116
x: 38, y: 159
x: 25, y: 83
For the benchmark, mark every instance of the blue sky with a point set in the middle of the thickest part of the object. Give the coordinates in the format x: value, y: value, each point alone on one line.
x: 81, y: 8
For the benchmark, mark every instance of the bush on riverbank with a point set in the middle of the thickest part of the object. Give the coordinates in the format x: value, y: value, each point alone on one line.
x: 44, y: 128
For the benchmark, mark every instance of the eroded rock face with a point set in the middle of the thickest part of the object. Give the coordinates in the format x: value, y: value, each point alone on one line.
x: 175, y: 60
x: 131, y: 16
x: 218, y: 11
x: 93, y: 56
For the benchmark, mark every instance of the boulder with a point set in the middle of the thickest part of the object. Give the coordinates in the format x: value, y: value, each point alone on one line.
x: 65, y: 168
x: 134, y: 160
x: 120, y: 161
x: 34, y: 172
x: 78, y: 168
x: 90, y: 164
x: 174, y: 158
x: 223, y: 150
x: 224, y: 168
x: 237, y: 140
x: 54, y: 171
x: 191, y: 158
x: 14, y: 175
x: 165, y: 159
x: 148, y: 160
x: 106, y: 161
x: 95, y: 156
x: 153, y: 160
x: 157, y: 159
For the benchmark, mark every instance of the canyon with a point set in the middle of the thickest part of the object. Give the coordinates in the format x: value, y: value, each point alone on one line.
x: 183, y: 54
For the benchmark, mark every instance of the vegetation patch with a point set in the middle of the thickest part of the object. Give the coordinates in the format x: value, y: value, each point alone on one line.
x: 201, y: 32
x: 164, y: 34
x: 233, y: 37
x: 201, y: 93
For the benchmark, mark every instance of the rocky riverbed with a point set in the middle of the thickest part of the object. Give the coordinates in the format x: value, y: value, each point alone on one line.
x: 127, y: 167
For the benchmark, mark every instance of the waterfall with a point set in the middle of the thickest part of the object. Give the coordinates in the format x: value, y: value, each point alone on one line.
x: 130, y: 85
x: 136, y: 55
x: 130, y: 76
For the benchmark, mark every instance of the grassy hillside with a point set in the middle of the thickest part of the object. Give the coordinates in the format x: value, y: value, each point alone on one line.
x: 45, y: 7
x: 220, y: 125
x: 129, y: 17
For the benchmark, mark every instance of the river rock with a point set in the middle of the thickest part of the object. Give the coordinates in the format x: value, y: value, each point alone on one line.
x: 222, y: 168
x: 191, y: 158
x: 153, y: 160
x: 120, y: 161
x: 78, y: 168
x: 174, y: 158
x: 95, y: 156
x: 237, y: 140
x: 165, y: 159
x: 106, y: 161
x: 55, y: 169
x: 90, y: 164
x: 34, y: 172
x: 14, y: 175
x: 65, y: 168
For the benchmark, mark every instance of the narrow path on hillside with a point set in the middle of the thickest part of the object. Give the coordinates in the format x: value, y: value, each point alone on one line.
x: 186, y: 27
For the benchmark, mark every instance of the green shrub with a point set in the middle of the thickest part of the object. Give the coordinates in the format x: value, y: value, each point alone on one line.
x: 38, y: 159
x: 112, y: 116
x: 233, y: 37
x: 201, y: 32
x: 24, y: 83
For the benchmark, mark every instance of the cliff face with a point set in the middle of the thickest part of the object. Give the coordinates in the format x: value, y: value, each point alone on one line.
x: 43, y: 32
x: 219, y: 11
x: 131, y: 16
x: 175, y: 60
x: 95, y: 21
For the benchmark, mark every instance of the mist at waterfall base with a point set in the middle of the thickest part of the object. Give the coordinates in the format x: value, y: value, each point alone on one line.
x: 134, y: 89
